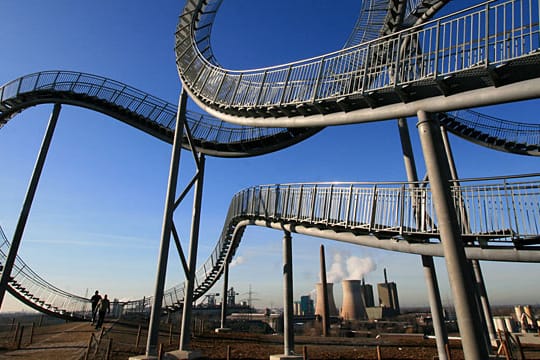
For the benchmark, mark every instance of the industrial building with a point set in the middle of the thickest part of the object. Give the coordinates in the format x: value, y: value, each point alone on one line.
x: 388, y: 295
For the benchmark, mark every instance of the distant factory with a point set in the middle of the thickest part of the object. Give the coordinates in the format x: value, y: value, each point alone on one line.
x: 358, y: 301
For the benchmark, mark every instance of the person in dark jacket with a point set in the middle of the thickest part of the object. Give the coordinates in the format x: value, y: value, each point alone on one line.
x: 103, y: 307
x: 94, y: 300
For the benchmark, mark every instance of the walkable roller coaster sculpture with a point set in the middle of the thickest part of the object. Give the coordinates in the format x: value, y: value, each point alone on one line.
x: 411, y: 66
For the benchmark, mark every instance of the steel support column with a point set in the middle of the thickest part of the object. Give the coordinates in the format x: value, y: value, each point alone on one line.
x: 435, y: 303
x: 288, y: 326
x: 434, y: 295
x: 225, y: 296
x: 153, y: 330
x: 185, y: 334
x: 30, y: 193
x: 326, y: 311
x: 481, y: 291
x: 454, y: 253
x: 484, y: 301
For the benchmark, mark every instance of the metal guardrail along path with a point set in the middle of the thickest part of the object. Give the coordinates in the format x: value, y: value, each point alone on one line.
x: 476, y: 49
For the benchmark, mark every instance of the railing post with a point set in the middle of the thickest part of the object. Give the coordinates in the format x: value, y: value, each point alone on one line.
x: 261, y: 88
x: 349, y: 201
x: 277, y: 198
x: 401, y: 208
x: 318, y: 81
x: 285, y: 84
x: 436, y: 64
x: 287, y: 197
x: 329, y: 211
x: 299, y: 210
x: 398, y: 59
x: 366, y: 67
x: 236, y: 88
x: 313, y: 202
x: 373, y: 208
x: 514, y: 208
x: 219, y: 87
x: 486, y: 45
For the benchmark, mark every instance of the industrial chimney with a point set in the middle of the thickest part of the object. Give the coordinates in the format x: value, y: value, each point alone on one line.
x: 319, y: 307
x: 353, y: 305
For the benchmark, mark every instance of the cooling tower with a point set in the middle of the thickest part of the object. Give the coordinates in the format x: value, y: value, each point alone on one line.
x: 319, y: 308
x: 353, y: 306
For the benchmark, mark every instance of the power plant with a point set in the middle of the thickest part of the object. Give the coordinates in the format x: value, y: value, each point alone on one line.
x: 388, y: 297
x: 319, y: 307
x: 353, y: 307
x: 358, y: 301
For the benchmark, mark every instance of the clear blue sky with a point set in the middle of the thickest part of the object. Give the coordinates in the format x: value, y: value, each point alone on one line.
x: 96, y: 220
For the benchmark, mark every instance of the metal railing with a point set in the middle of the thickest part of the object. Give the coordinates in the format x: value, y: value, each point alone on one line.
x: 499, y: 211
x: 489, y: 34
x: 203, y: 127
x: 38, y: 293
x: 510, y: 131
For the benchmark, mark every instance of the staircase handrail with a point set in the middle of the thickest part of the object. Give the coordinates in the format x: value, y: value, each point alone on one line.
x: 314, y: 79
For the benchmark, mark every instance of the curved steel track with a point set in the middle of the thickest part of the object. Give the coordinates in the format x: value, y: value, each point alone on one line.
x: 275, y: 107
x: 142, y: 111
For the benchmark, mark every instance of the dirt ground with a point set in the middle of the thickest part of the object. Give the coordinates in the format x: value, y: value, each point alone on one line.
x: 119, y: 341
x: 258, y: 346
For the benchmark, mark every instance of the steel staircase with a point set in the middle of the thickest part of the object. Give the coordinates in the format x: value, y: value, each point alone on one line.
x: 492, y: 132
x: 142, y: 111
x: 375, y: 80
x: 502, y: 221
x: 37, y: 293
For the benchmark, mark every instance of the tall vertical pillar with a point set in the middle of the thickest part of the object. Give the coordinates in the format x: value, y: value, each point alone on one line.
x: 434, y: 295
x: 185, y: 334
x: 481, y: 291
x: 157, y: 299
x: 30, y: 193
x: 454, y: 253
x: 288, y: 325
x: 435, y: 303
x: 326, y: 308
x: 225, y: 296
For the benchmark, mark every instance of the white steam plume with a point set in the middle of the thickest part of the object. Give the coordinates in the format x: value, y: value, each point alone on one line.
x: 358, y: 267
x: 237, y: 261
x: 347, y: 267
x: 336, y: 271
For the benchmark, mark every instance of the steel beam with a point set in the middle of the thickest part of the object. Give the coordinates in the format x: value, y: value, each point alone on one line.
x: 326, y: 310
x: 434, y: 295
x: 481, y: 291
x: 185, y: 334
x: 157, y: 300
x: 27, y: 205
x: 288, y: 325
x: 523, y: 90
x: 225, y: 296
x: 456, y: 262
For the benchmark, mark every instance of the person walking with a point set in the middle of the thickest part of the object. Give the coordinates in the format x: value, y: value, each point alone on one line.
x: 103, y: 307
x: 94, y: 300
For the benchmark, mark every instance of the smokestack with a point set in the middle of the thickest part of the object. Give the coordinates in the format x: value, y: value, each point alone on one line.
x: 353, y: 305
x: 325, y: 308
x: 319, y: 307
x: 390, y: 291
